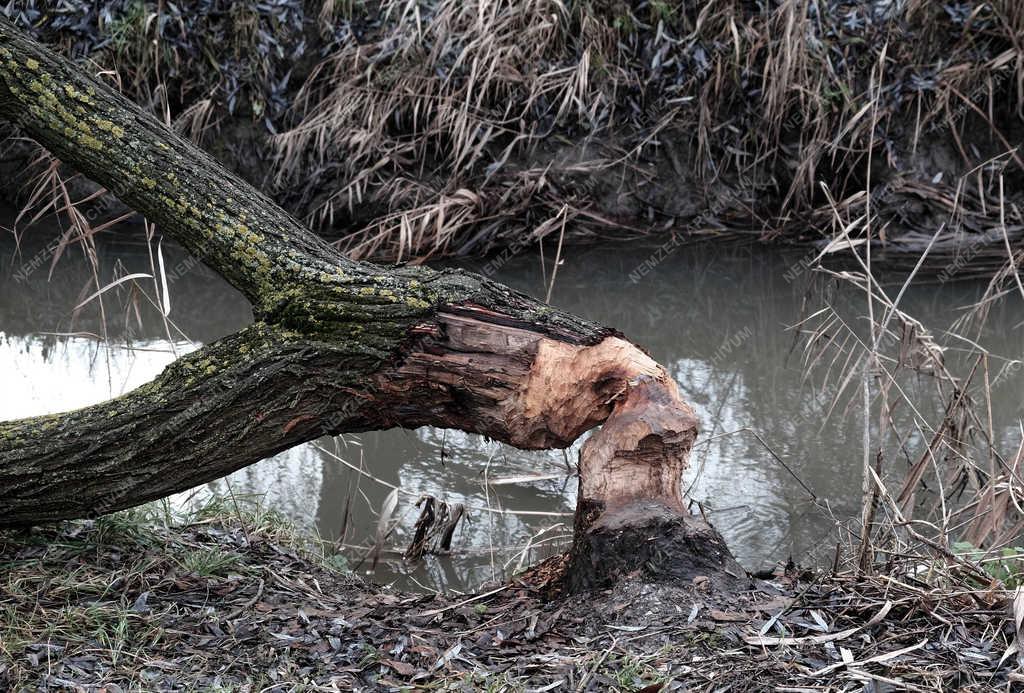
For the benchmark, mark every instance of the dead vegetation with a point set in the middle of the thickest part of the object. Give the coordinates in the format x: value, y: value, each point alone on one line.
x: 469, y: 128
x: 413, y: 130
x: 941, y: 489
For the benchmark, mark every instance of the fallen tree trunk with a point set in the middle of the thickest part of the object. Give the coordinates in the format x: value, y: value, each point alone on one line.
x: 336, y: 346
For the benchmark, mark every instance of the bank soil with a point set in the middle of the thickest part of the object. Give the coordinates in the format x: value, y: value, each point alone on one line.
x: 237, y: 603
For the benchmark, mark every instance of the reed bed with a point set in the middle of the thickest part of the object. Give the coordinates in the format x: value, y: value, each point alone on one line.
x: 414, y: 130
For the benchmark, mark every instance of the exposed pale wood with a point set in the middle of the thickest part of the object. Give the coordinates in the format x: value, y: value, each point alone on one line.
x: 642, y: 450
x: 630, y: 517
x: 522, y: 386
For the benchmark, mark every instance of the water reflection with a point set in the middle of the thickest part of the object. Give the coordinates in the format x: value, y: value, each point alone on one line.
x: 716, y: 319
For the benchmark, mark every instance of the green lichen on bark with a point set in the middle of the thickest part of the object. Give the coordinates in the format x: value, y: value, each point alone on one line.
x: 220, y: 408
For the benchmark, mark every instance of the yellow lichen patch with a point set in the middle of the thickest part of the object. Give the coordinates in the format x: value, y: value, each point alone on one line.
x: 32, y: 64
x: 72, y: 92
x: 92, y: 143
x: 149, y: 183
x: 111, y: 127
x: 261, y: 258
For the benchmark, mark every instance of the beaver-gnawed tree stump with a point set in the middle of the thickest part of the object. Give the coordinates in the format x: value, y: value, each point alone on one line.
x: 630, y: 519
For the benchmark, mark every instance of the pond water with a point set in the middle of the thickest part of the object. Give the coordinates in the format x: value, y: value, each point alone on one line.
x: 718, y: 319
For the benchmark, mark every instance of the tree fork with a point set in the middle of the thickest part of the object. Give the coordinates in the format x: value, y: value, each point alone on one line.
x: 337, y: 346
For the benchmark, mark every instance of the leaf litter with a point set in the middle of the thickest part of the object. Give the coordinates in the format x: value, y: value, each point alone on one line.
x: 226, y: 601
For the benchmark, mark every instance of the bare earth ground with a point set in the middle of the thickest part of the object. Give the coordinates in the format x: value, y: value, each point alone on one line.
x: 241, y: 602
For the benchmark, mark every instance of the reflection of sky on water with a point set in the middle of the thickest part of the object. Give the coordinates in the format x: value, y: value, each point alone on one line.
x: 717, y: 322
x: 41, y: 375
x: 289, y: 482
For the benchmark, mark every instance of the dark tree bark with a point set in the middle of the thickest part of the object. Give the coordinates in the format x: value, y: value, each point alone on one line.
x: 336, y: 346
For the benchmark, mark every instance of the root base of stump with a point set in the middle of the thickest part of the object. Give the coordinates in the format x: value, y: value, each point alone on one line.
x: 654, y: 543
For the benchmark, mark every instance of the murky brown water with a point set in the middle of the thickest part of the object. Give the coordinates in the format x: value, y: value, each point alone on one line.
x: 717, y: 319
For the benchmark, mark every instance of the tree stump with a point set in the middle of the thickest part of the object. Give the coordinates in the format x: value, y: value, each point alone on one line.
x: 630, y: 518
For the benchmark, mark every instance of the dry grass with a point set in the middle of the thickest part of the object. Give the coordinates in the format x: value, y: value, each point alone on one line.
x: 453, y: 104
x: 943, y: 496
x: 448, y: 127
x: 443, y: 91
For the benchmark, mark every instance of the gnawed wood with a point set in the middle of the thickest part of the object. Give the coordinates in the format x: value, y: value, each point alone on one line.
x: 511, y: 382
x: 642, y: 450
x: 536, y: 391
x: 630, y: 518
